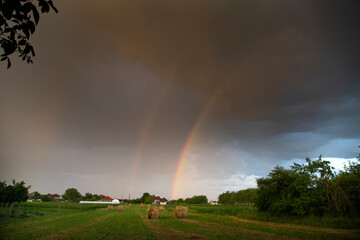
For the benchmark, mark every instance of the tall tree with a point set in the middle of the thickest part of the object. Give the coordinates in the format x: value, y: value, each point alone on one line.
x: 72, y: 195
x: 17, y: 192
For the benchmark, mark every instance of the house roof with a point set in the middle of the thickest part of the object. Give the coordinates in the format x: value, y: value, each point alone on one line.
x: 157, y: 198
x: 107, y: 198
x: 53, y: 195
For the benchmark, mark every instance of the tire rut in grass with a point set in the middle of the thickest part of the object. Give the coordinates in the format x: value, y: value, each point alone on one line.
x: 309, y: 230
x: 220, y: 228
x: 73, y: 230
x: 341, y: 233
x: 35, y: 221
x: 168, y: 233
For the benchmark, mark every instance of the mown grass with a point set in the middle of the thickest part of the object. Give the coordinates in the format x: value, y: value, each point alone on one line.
x: 203, y: 222
x: 250, y: 212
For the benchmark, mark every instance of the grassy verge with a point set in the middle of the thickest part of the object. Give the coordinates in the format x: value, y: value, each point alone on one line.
x: 251, y: 213
x: 83, y: 222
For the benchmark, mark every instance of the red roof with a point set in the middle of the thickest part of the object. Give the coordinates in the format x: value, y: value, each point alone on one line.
x: 53, y: 195
x: 157, y: 198
x: 107, y: 198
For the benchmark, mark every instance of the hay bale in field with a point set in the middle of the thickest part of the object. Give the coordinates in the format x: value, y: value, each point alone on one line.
x: 110, y: 207
x: 120, y: 208
x: 162, y: 208
x: 141, y: 205
x: 180, y: 212
x: 153, y: 212
x: 129, y: 204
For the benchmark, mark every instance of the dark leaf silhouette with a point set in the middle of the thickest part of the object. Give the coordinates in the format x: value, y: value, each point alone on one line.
x: 18, y: 20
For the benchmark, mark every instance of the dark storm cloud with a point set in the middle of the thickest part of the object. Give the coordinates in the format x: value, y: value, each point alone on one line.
x: 277, y: 55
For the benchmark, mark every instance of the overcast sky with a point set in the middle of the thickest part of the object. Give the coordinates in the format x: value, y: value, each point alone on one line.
x: 118, y: 87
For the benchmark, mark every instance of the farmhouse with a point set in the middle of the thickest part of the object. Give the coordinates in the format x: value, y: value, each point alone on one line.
x: 107, y: 199
x: 157, y: 200
x: 213, y: 203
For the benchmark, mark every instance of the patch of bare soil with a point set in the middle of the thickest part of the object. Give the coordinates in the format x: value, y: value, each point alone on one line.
x: 168, y: 233
x: 220, y: 228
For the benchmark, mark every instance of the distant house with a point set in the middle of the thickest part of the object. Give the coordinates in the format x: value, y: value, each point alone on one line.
x: 157, y: 200
x: 31, y: 197
x: 213, y: 203
x: 107, y: 199
x: 56, y: 197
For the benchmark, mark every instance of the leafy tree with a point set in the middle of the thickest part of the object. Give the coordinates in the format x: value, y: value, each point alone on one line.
x: 144, y: 196
x: 18, y: 20
x: 149, y: 200
x: 37, y: 195
x: 300, y: 190
x: 227, y: 198
x: 246, y: 196
x: 180, y: 201
x: 46, y: 198
x: 88, y: 196
x: 201, y: 199
x: 311, y: 188
x: 72, y: 195
x: 13, y: 193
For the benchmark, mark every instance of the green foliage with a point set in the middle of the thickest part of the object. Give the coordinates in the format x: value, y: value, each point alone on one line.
x: 46, y: 198
x: 144, y: 196
x: 13, y: 193
x: 72, y: 195
x: 241, y: 197
x: 149, y: 200
x: 201, y: 199
x: 311, y: 188
x: 18, y: 20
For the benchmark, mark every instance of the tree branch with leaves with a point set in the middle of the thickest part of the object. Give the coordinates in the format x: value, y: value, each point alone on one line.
x: 18, y: 21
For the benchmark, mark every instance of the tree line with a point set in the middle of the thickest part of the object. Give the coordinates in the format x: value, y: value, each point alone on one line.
x: 242, y: 197
x: 312, y: 188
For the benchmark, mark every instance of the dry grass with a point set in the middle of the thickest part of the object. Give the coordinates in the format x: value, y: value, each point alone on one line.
x: 153, y: 212
x: 180, y: 212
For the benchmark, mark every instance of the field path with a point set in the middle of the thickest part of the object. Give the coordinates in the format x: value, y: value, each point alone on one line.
x: 71, y: 231
x: 282, y: 231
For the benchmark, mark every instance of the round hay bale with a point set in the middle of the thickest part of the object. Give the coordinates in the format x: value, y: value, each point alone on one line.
x: 110, y: 207
x: 162, y: 208
x: 120, y: 208
x: 129, y: 204
x: 153, y: 212
x: 141, y: 205
x: 180, y: 212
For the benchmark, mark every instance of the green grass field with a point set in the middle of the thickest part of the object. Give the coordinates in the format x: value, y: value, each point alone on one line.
x: 75, y: 221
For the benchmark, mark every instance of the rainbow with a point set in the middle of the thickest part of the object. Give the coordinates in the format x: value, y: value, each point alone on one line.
x: 192, y: 133
x: 145, y: 136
